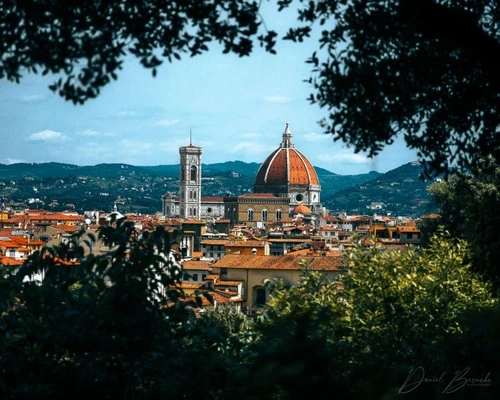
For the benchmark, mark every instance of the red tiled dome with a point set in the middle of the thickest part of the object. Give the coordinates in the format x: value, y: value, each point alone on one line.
x: 301, y: 209
x: 286, y: 166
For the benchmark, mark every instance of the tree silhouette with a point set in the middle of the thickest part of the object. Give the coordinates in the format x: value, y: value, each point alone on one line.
x: 425, y: 70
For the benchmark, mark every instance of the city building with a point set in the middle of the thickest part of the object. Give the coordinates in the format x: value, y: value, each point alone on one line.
x: 190, y: 181
x: 286, y: 172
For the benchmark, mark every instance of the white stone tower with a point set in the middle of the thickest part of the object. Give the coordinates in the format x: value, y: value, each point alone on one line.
x: 190, y: 181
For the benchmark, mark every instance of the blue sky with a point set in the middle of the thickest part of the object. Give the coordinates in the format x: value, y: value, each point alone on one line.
x: 236, y: 109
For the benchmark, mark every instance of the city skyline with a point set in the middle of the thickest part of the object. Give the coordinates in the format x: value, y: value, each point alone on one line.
x: 234, y: 108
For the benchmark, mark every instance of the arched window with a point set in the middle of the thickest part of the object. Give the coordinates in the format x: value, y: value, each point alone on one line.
x: 260, y: 296
x: 264, y: 215
x: 278, y: 215
x: 194, y: 211
x: 250, y: 214
x: 193, y: 173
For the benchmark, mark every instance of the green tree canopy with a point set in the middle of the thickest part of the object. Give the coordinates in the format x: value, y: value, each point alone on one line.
x: 425, y: 70
x: 362, y: 334
x: 85, y: 44
x: 113, y: 326
x: 468, y: 208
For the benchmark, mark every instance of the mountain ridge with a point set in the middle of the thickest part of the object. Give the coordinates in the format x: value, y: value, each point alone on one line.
x: 140, y: 188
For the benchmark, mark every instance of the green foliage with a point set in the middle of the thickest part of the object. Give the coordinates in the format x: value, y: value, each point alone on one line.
x: 401, y: 190
x: 97, y: 187
x: 86, y: 43
x: 382, y: 69
x: 423, y: 69
x: 362, y: 333
x: 225, y: 318
x: 115, y: 326
x: 111, y: 327
x: 468, y: 209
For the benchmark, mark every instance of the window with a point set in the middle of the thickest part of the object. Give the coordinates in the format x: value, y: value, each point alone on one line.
x: 203, y: 276
x: 185, y: 276
x: 193, y: 173
x: 264, y: 215
x: 250, y: 214
x: 299, y: 197
x: 260, y: 296
x: 194, y: 211
x: 195, y: 277
x: 211, y: 255
x: 278, y: 215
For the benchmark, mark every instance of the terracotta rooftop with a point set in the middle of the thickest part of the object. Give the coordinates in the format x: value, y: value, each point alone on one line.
x: 212, y: 199
x: 56, y: 217
x: 302, y: 209
x: 10, y: 261
x: 286, y: 166
x: 228, y: 283
x: 286, y: 262
x: 411, y: 228
x: 258, y: 195
x: 245, y: 243
x: 190, y: 285
x: 217, y: 242
x: 196, y: 264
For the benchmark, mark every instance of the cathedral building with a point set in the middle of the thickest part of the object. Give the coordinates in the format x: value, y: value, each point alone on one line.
x: 286, y: 172
x: 286, y: 184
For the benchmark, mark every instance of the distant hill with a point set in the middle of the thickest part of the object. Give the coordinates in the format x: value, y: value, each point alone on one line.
x: 58, y: 186
x: 400, y: 191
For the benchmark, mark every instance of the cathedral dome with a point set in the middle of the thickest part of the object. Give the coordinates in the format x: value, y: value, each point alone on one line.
x: 285, y: 166
x: 301, y: 209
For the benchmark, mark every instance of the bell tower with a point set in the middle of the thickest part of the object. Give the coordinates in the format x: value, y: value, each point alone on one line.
x: 190, y: 181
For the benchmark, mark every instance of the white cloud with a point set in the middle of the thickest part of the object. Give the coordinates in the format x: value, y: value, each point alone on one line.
x: 276, y: 99
x: 349, y: 158
x: 9, y: 161
x: 47, y: 135
x: 168, y: 122
x: 33, y: 98
x: 315, y: 137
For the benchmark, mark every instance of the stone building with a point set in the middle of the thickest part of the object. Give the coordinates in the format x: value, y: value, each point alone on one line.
x: 285, y: 180
x: 190, y: 182
x: 255, y: 209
